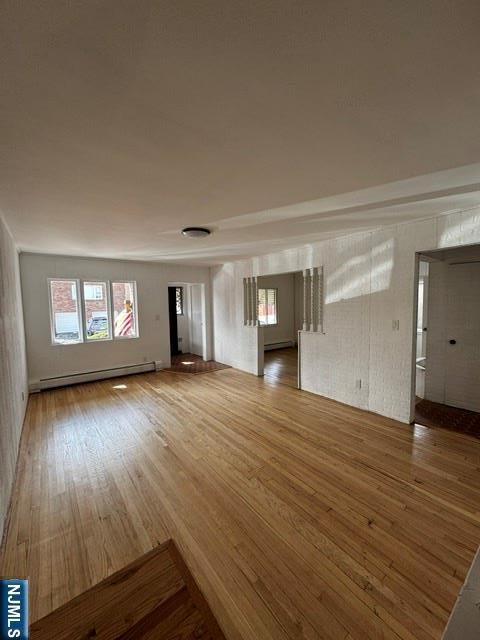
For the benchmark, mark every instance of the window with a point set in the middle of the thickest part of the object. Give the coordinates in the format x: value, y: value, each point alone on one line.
x: 65, y: 318
x: 96, y: 311
x: 267, y: 306
x: 86, y: 311
x: 93, y: 291
x: 124, y: 300
x: 179, y: 300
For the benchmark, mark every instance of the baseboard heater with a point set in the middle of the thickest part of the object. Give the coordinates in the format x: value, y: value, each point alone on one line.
x: 101, y: 374
x: 279, y: 345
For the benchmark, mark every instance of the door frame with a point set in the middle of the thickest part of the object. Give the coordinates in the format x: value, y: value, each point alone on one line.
x: 203, y: 304
x: 206, y: 315
x: 424, y: 255
x: 174, y: 351
x: 419, y: 257
x: 261, y: 335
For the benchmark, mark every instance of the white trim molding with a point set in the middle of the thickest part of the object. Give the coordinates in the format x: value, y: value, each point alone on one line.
x: 313, y: 291
x: 90, y: 376
x: 250, y: 302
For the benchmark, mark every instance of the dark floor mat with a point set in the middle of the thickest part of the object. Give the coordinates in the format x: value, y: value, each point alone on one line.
x: 434, y: 414
x: 190, y: 363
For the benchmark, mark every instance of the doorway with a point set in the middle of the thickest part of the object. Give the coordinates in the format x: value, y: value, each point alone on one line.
x: 280, y: 314
x: 187, y: 314
x: 447, y: 350
x: 172, y: 317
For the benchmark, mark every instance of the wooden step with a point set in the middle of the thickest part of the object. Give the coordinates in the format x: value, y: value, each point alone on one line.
x: 153, y: 597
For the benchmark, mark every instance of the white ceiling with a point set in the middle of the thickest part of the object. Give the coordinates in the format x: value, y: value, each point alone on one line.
x: 269, y: 121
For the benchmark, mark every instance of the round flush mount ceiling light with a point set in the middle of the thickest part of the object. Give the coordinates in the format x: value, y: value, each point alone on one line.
x: 195, y: 232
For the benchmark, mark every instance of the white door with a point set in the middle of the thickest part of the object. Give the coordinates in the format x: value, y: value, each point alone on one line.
x: 462, y: 349
x: 196, y: 319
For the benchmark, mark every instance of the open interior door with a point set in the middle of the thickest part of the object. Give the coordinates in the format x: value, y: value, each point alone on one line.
x: 462, y: 361
x: 196, y: 319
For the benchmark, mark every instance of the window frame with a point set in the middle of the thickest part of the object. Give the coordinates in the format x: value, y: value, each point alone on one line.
x: 109, y: 306
x: 135, y: 310
x: 80, y: 299
x: 81, y: 338
x: 275, y: 289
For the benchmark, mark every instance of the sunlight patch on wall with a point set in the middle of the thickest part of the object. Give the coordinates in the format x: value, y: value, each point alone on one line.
x: 466, y: 231
x: 367, y: 273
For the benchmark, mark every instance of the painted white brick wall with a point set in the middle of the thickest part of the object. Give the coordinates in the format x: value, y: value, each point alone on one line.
x: 346, y: 323
x: 13, y: 367
x: 393, y: 269
x: 369, y: 283
x: 235, y: 344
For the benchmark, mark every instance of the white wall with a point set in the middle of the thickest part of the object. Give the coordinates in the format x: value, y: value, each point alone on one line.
x: 13, y: 368
x: 234, y: 343
x: 369, y: 283
x: 46, y: 360
x: 284, y: 330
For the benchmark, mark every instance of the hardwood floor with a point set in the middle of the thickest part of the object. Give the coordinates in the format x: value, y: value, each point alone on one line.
x: 281, y: 365
x: 153, y: 597
x: 299, y: 517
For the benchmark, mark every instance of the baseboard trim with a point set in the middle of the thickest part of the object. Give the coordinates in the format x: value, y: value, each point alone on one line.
x: 279, y: 345
x: 90, y: 376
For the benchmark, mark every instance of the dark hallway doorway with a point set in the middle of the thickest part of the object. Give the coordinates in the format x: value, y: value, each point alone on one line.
x: 172, y: 314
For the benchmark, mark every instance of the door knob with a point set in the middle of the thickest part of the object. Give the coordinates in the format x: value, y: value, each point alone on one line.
x: 453, y: 341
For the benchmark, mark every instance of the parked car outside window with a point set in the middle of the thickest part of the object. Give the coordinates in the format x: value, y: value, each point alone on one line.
x: 97, y: 327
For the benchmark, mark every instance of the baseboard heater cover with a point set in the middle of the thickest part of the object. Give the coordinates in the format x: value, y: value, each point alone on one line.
x: 89, y: 376
x: 279, y: 345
